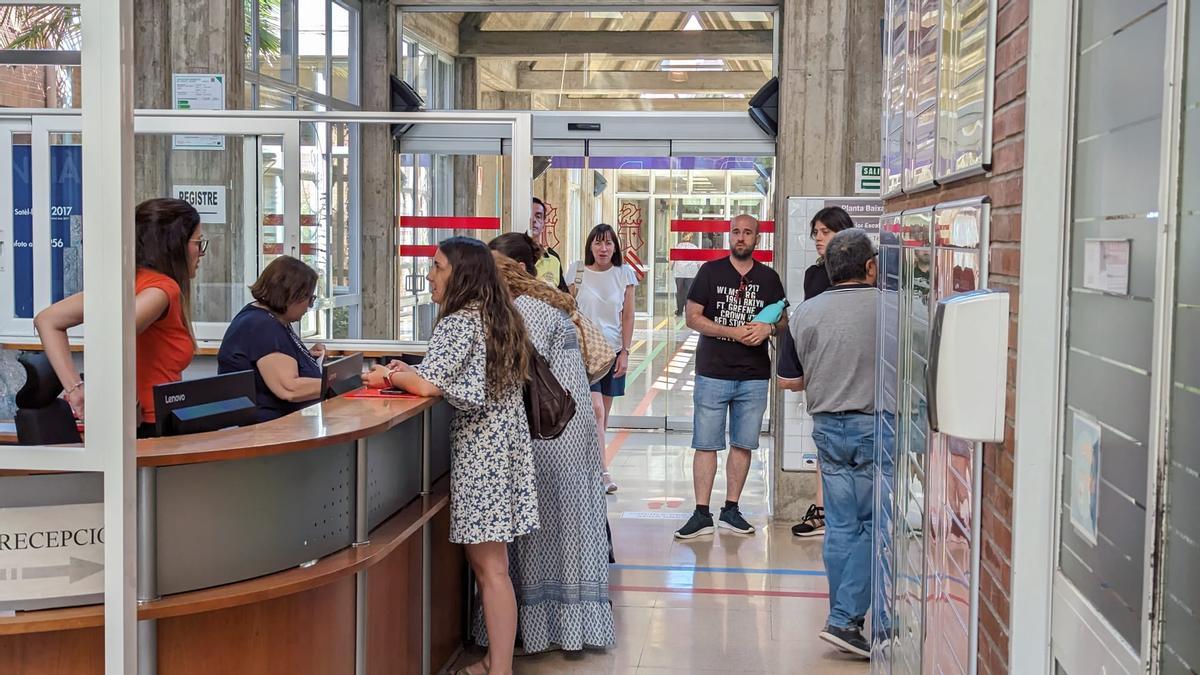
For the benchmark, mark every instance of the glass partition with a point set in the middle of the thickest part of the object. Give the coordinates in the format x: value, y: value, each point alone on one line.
x: 671, y: 215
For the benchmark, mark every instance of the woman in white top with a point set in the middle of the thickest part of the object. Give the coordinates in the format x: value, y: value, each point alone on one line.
x: 603, y: 290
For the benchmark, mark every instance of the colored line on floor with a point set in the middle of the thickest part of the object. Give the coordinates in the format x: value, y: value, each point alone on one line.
x: 619, y: 438
x: 717, y: 570
x: 652, y: 355
x: 719, y: 591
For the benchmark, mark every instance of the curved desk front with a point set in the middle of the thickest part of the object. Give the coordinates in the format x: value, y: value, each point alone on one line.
x: 315, y: 543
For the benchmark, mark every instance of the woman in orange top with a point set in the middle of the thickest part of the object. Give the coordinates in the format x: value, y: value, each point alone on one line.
x: 168, y: 248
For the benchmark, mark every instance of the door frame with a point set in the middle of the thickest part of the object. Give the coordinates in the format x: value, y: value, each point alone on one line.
x: 1065, y: 628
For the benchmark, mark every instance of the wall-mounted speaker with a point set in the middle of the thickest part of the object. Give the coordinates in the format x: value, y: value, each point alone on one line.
x: 764, y: 107
x: 403, y: 98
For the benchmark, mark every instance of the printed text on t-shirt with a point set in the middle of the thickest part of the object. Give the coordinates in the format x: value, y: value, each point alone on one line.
x: 739, y: 306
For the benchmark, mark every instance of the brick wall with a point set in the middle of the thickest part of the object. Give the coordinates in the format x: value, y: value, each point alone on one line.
x: 22, y: 87
x: 1003, y: 184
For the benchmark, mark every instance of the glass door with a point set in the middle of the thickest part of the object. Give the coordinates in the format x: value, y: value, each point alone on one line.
x: 243, y: 177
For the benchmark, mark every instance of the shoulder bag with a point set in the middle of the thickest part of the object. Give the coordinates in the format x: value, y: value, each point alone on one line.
x: 548, y: 406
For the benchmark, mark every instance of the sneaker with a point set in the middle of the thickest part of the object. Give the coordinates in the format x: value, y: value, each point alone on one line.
x: 699, y: 524
x: 731, y: 519
x: 812, y: 524
x: 609, y: 486
x: 848, y: 640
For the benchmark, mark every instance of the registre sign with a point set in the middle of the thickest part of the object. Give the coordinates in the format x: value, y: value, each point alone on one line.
x: 49, y: 552
x: 208, y: 200
x: 195, y: 91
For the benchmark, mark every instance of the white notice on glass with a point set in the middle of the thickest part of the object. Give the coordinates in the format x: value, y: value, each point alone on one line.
x: 197, y: 91
x: 1106, y: 265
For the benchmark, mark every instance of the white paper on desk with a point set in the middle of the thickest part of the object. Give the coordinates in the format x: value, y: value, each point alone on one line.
x: 1106, y: 265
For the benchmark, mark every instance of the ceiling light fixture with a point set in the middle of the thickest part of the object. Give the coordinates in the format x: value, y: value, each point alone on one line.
x: 677, y: 76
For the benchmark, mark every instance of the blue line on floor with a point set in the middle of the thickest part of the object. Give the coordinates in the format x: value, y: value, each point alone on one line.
x: 728, y: 570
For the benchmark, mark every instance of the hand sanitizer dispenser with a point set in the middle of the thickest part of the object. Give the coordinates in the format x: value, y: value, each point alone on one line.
x: 968, y: 366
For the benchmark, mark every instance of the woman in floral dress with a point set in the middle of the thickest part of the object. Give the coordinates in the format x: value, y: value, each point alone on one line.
x: 478, y: 361
x: 560, y: 572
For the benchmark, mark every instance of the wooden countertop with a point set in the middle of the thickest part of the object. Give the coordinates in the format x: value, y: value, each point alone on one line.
x: 334, y: 421
x: 383, y: 540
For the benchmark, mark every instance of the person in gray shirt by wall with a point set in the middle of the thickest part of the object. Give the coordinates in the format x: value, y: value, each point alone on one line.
x: 835, y: 340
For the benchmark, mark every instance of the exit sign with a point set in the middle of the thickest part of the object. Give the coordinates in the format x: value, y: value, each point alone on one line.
x: 868, y: 176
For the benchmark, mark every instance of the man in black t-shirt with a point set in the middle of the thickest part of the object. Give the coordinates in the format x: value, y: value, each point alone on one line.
x: 733, y: 371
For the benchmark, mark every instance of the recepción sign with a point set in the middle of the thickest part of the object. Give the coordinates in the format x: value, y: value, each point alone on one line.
x: 50, y: 552
x: 209, y: 201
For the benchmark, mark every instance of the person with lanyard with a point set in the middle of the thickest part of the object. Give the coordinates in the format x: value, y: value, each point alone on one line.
x: 826, y: 223
x: 168, y: 246
x: 733, y: 372
x: 835, y: 339
x: 287, y: 374
x: 549, y: 264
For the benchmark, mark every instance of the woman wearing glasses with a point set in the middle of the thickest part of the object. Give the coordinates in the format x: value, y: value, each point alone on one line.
x: 167, y: 249
x: 287, y: 374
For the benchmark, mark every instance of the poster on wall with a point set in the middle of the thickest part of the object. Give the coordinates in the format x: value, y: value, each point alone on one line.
x: 1085, y: 476
x: 66, y: 225
x: 799, y: 451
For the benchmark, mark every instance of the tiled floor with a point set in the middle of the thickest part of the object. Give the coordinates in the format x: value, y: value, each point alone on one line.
x: 722, y: 604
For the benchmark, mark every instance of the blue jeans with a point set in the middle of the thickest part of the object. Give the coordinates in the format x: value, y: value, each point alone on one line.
x: 743, y: 402
x: 846, y: 448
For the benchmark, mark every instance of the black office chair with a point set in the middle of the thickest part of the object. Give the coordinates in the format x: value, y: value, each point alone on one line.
x: 42, y: 417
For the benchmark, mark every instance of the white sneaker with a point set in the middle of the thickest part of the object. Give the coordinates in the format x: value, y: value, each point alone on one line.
x: 609, y: 486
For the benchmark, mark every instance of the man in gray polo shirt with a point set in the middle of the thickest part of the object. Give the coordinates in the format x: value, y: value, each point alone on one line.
x: 835, y: 340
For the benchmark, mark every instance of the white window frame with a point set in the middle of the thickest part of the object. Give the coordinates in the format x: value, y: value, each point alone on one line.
x: 251, y: 124
x: 253, y: 75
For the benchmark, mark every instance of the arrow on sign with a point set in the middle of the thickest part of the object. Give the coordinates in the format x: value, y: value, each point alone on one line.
x: 77, y: 569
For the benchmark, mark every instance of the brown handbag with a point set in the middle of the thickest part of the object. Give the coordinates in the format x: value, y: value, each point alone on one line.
x: 598, y: 355
x: 548, y: 406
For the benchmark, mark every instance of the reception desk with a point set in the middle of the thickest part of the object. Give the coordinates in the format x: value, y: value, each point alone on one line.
x: 315, y: 543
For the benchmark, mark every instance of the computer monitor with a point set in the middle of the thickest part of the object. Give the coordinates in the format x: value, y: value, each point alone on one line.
x: 205, y: 404
x: 342, y: 375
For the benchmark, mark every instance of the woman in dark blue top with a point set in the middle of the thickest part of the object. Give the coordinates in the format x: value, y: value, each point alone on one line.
x: 287, y: 374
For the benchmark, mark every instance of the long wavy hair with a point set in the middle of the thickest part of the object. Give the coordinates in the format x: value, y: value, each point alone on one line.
x: 475, y: 282
x: 515, y: 274
x: 162, y: 229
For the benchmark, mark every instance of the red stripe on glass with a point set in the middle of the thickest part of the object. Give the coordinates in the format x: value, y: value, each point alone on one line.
x: 764, y: 226
x: 449, y: 223
x: 418, y: 250
x: 706, y: 254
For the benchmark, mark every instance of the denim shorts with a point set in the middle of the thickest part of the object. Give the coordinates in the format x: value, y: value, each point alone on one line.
x: 742, y: 401
x: 610, y: 385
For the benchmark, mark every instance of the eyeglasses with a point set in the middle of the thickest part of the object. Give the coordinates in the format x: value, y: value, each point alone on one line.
x: 201, y: 244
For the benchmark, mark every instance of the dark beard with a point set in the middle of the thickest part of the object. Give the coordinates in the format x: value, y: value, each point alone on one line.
x: 749, y: 254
